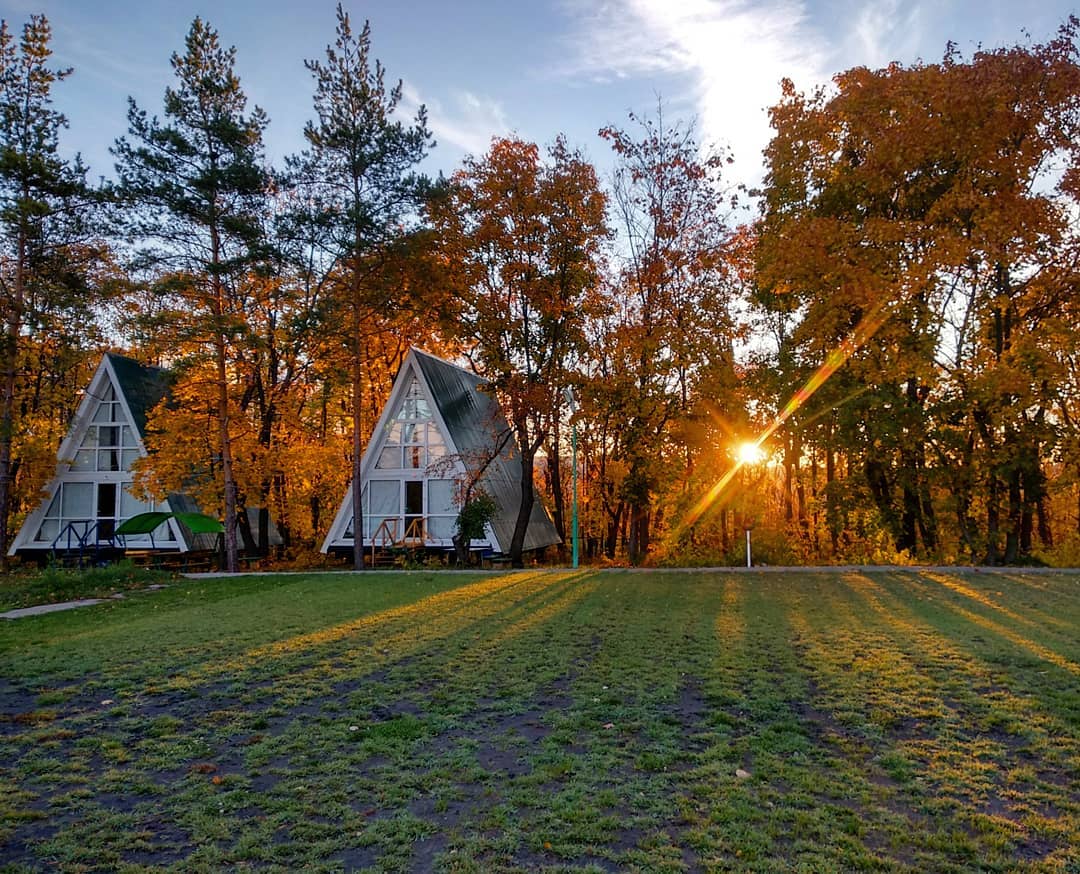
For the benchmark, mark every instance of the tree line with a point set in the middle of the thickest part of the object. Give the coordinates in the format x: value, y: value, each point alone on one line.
x: 896, y: 324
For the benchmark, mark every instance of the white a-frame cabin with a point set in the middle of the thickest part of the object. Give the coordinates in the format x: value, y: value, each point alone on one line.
x: 89, y: 496
x: 436, y: 422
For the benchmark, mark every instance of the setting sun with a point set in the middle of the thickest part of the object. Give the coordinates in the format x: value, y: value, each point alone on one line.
x: 749, y: 453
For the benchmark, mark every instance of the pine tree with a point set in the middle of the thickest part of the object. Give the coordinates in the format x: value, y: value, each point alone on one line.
x: 361, y: 189
x: 43, y: 201
x: 196, y: 184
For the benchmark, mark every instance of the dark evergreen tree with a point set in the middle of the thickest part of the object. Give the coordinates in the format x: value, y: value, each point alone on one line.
x: 194, y: 185
x: 45, y: 253
x: 358, y: 175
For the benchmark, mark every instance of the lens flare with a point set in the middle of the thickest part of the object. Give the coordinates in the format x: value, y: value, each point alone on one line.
x: 749, y: 452
x: 867, y: 327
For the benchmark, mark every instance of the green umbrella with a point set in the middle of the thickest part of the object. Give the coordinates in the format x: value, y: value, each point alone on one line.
x: 145, y: 523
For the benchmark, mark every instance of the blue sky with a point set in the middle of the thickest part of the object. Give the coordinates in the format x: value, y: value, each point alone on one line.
x: 486, y: 68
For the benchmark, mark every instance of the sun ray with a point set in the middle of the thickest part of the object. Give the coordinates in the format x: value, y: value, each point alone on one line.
x: 869, y: 325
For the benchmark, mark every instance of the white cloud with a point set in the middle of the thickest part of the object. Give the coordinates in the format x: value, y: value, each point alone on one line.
x: 467, y: 124
x: 885, y: 30
x: 735, y: 52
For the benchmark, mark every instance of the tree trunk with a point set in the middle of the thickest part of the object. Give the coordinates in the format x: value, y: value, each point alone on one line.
x: 789, y: 480
x: 1012, y: 533
x: 282, y: 518
x: 9, y: 370
x: 638, y: 547
x: 229, y: 481
x: 554, y: 474
x: 800, y: 496
x: 461, y: 549
x: 357, y: 433
x: 961, y: 480
x: 832, y: 509
x: 316, y: 514
x: 243, y: 528
x: 927, y: 518
x: 614, y: 523
x: 910, y: 521
x: 517, y: 542
x: 877, y: 480
x: 993, y: 520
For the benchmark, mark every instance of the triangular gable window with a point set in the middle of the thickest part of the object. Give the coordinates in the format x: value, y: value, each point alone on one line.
x: 414, y: 407
x: 413, y: 439
x: 109, y: 443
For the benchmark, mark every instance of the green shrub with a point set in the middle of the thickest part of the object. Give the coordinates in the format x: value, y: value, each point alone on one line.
x: 54, y: 585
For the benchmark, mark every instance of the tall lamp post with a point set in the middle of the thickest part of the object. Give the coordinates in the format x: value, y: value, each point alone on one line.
x: 573, y: 477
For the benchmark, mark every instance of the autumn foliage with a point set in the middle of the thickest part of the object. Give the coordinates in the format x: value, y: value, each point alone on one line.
x: 893, y: 317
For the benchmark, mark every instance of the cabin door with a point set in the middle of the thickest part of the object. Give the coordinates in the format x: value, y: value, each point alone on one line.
x: 106, y: 510
x: 414, y: 510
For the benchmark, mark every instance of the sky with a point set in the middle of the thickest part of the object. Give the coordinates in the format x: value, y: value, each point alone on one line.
x: 534, y: 68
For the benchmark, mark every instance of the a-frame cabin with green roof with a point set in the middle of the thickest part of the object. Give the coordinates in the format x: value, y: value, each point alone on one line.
x: 436, y: 425
x: 89, y: 496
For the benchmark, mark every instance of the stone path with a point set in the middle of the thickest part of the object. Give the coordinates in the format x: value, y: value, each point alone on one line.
x: 50, y: 608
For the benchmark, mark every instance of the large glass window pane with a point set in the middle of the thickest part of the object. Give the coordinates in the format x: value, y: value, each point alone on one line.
x: 83, y: 460
x: 389, y: 458
x: 48, y: 530
x: 53, y: 512
x: 77, y: 501
x: 440, y: 496
x: 129, y: 438
x: 91, y: 439
x: 130, y: 505
x: 128, y: 458
x: 108, y: 435
x: 108, y: 394
x: 108, y: 459
x: 421, y: 410
x: 440, y: 527
x: 103, y: 413
x: 385, y: 497
x: 415, y: 406
x: 414, y: 457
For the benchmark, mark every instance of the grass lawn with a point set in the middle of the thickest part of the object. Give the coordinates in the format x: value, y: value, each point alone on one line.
x: 549, y: 721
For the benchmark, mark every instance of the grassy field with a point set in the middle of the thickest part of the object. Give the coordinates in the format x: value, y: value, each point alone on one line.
x: 549, y: 721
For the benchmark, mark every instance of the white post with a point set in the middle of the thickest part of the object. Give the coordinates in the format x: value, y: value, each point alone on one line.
x: 748, y: 547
